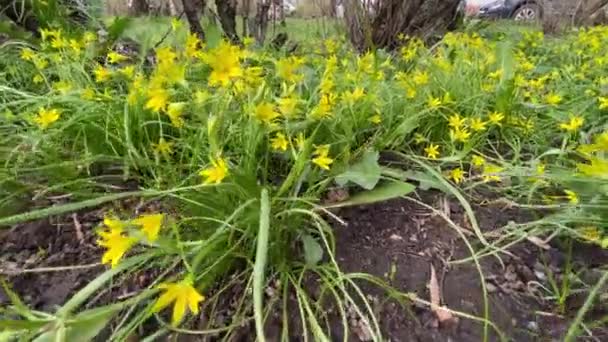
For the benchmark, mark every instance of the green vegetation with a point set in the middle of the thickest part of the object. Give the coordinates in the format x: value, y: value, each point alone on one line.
x: 234, y: 149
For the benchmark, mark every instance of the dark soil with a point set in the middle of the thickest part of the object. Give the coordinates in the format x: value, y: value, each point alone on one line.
x: 397, y: 241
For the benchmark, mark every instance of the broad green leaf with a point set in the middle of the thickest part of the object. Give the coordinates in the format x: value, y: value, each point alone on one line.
x: 82, y: 330
x: 313, y: 253
x: 118, y: 27
x: 384, y: 192
x: 365, y: 172
x: 425, y: 180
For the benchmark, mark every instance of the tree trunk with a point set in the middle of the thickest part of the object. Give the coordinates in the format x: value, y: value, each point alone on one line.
x: 246, y: 10
x: 191, y: 11
x: 227, y: 12
x: 137, y: 7
x: 379, y: 24
x: 333, y: 5
x: 261, y: 21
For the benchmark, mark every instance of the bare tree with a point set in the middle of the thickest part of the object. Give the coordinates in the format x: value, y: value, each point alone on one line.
x: 137, y: 7
x: 261, y: 21
x: 378, y: 23
x: 191, y: 10
x: 227, y: 12
x: 246, y: 10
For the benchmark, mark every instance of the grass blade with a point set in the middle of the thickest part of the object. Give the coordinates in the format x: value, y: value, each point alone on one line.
x: 260, y: 264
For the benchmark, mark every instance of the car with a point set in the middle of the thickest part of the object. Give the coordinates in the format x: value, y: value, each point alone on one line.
x: 520, y: 10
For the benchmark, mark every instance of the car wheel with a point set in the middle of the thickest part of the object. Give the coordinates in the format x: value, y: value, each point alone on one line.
x: 527, y: 12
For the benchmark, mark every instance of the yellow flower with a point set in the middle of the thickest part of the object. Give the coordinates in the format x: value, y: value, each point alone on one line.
x: 478, y: 125
x: 76, y: 46
x: 353, y: 96
x: 457, y: 175
x: 89, y: 37
x: 175, y: 112
x: 225, y: 64
x: 40, y: 63
x: 287, y: 105
x: 597, y: 168
x: 540, y: 169
x: 265, y: 112
x: 456, y: 122
x: 165, y: 56
x: 114, y: 57
x: 46, y: 117
x: 62, y: 86
x: 603, y: 102
x: 193, y: 45
x: 327, y: 85
x: 322, y: 159
x: 574, y: 124
x: 157, y: 99
x: 279, y: 142
x: 571, y: 196
x: 300, y: 140
x: 38, y: 79
x: 27, y: 54
x: 591, y: 233
x: 325, y: 106
x: 183, y: 295
x: 478, y: 161
x: 496, y: 118
x: 432, y: 151
x: 58, y: 42
x: 421, y: 78
x: 287, y: 68
x: 461, y: 135
x: 128, y: 71
x: 150, y: 225
x: 410, y: 92
x: 553, y: 99
x: 376, y: 119
x: 216, y: 173
x: 490, y: 172
x: 101, y: 74
x: 433, y: 102
x: 163, y: 147
x: 115, y: 240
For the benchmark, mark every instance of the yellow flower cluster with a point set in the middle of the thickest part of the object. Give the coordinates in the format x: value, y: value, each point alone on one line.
x: 118, y: 239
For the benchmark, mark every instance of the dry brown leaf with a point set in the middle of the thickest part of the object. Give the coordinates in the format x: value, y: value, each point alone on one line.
x: 538, y: 242
x: 442, y: 314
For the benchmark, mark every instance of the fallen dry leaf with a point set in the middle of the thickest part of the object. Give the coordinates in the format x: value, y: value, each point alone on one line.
x: 443, y: 315
x: 538, y: 242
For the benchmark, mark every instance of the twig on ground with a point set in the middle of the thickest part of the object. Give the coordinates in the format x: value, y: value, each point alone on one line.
x: 78, y: 228
x: 48, y: 269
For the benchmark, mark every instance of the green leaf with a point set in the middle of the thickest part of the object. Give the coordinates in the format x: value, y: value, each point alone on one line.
x: 261, y: 254
x: 365, y: 173
x: 426, y: 180
x: 313, y: 253
x: 84, y: 328
x: 21, y: 325
x: 406, y: 127
x: 118, y: 27
x: 384, y: 192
